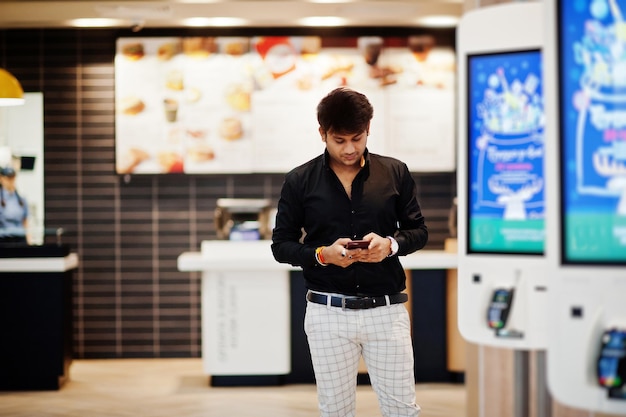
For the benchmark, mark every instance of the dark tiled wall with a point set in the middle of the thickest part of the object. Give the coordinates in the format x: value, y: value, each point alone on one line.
x: 130, y: 299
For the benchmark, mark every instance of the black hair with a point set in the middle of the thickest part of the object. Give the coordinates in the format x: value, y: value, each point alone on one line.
x: 344, y: 111
x: 7, y: 172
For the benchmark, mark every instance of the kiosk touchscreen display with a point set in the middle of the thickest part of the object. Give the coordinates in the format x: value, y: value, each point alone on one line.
x: 505, y: 125
x: 592, y: 102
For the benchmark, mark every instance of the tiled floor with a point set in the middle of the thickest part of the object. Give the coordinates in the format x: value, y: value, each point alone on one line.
x: 179, y: 388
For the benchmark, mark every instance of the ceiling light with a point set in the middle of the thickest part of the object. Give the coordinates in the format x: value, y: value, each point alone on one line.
x: 214, y: 21
x: 147, y: 11
x: 11, y: 92
x: 322, y: 21
x: 96, y: 23
x: 442, y: 21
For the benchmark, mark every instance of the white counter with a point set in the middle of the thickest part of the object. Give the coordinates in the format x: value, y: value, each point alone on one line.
x: 257, y: 255
x: 246, y: 304
x: 47, y: 264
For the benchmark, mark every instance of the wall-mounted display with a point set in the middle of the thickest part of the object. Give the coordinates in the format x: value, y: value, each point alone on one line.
x: 505, y: 125
x: 248, y: 104
x: 592, y: 74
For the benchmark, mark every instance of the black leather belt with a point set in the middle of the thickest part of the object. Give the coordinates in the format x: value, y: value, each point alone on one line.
x: 356, y: 303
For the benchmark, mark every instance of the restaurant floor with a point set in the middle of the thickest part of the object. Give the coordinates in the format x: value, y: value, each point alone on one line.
x: 179, y: 388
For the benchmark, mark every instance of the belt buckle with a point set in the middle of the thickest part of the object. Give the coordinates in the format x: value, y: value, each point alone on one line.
x: 343, y: 303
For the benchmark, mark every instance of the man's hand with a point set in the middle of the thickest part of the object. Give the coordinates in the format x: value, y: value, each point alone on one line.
x: 337, y: 254
x: 378, y: 249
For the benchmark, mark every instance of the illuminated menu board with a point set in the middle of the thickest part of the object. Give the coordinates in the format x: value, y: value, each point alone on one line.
x: 592, y: 74
x: 505, y: 126
x: 215, y: 105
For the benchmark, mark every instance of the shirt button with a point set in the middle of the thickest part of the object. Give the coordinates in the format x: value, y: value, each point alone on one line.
x: 353, y: 236
x: 352, y: 211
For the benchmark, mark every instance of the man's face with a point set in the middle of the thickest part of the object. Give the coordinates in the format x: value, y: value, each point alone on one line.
x: 345, y: 149
x: 6, y: 182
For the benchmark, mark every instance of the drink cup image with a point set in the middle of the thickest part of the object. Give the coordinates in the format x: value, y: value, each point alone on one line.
x: 420, y: 46
x: 171, y: 109
x: 371, y: 47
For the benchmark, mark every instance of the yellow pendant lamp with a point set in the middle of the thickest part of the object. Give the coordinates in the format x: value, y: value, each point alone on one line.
x: 11, y: 92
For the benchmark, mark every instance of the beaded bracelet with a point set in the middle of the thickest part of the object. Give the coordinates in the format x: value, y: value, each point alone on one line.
x: 319, y: 257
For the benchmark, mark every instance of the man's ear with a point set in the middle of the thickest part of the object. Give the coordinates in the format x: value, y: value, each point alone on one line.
x: 322, y: 134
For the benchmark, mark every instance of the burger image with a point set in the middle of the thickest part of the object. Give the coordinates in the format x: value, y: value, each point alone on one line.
x: 235, y: 46
x: 311, y: 45
x: 131, y: 159
x: 199, y: 47
x: 167, y: 51
x: 171, y: 162
x: 201, y: 153
x: 231, y: 129
x: 131, y: 105
x: 133, y: 51
x: 238, y: 97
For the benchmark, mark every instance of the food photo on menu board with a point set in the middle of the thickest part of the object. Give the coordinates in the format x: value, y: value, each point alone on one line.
x: 505, y: 153
x: 248, y: 104
x: 592, y: 66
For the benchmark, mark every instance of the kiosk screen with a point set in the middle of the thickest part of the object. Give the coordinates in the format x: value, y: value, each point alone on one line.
x: 505, y: 125
x: 592, y: 107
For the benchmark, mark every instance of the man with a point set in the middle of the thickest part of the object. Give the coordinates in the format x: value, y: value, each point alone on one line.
x: 13, y: 209
x: 354, y: 296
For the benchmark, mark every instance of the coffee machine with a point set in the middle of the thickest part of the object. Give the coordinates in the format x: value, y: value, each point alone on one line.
x: 243, y: 219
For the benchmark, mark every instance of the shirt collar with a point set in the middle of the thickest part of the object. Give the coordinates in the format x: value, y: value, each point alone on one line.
x: 365, y: 159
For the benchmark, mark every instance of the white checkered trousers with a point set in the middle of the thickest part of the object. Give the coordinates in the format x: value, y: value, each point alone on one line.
x: 339, y: 336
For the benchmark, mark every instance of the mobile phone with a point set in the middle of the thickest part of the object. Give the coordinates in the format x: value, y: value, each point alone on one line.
x: 358, y: 244
x: 499, y: 308
x: 611, y: 364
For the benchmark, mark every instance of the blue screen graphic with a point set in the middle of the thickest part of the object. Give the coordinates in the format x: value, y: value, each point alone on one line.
x: 592, y: 73
x: 505, y: 153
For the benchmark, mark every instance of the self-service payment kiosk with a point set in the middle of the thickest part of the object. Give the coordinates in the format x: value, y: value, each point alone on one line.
x: 502, y: 276
x: 585, y: 79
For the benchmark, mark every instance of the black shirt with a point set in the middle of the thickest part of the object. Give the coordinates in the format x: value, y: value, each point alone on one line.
x: 313, y: 201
